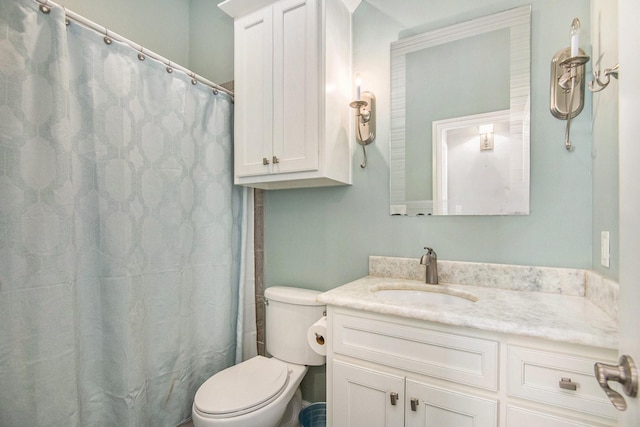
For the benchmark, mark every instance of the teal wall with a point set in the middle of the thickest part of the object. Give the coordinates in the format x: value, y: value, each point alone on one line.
x: 321, y: 238
x: 161, y: 26
x: 193, y: 33
x: 605, y: 135
x: 210, y: 41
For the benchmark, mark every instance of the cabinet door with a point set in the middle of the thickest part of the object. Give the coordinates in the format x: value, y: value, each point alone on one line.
x: 253, y: 130
x: 430, y: 406
x: 296, y: 67
x: 363, y: 397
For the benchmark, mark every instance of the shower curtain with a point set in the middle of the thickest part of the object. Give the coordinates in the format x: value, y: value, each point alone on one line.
x: 120, y: 230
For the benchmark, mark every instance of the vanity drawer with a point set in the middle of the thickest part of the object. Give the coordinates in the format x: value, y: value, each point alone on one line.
x: 521, y: 417
x: 449, y: 356
x: 537, y: 375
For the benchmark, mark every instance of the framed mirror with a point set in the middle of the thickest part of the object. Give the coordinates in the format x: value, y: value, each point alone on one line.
x: 460, y: 118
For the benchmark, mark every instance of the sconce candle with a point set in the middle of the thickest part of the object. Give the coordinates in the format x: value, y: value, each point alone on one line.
x: 358, y: 84
x: 486, y: 137
x: 575, y: 37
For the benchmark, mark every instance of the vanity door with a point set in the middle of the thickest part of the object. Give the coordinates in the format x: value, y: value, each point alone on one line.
x: 428, y: 406
x: 366, y: 397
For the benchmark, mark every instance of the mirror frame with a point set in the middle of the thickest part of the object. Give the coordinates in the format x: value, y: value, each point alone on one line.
x: 518, y: 21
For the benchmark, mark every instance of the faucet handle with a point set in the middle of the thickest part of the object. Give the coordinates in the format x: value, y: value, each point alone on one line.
x: 429, y: 256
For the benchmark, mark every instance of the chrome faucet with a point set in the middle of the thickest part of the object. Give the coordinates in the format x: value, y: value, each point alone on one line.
x: 430, y: 259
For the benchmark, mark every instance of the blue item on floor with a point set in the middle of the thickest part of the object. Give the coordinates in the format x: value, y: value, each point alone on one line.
x: 314, y: 415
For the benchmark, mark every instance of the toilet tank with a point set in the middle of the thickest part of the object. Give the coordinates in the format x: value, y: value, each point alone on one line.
x: 289, y: 314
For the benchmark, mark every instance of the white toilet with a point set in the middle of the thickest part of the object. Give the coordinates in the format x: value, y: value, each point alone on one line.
x: 258, y: 391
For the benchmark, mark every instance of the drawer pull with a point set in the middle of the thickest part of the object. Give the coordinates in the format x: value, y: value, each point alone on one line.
x: 265, y: 161
x: 394, y: 398
x: 566, y: 384
x: 414, y: 404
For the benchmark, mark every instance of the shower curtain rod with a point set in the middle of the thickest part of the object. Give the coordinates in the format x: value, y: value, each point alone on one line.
x: 45, y: 7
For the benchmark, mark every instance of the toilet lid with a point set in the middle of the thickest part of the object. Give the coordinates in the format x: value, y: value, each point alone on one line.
x: 242, y: 388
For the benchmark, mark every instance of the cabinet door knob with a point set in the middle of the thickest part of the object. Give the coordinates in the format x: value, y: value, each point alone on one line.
x: 565, y: 383
x: 394, y: 398
x: 265, y: 161
x: 414, y: 403
x: 276, y: 160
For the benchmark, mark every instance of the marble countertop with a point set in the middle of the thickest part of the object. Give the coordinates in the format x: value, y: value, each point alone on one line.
x: 559, y: 317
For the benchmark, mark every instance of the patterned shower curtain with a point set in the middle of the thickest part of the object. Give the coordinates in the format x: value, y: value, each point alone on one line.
x: 120, y: 230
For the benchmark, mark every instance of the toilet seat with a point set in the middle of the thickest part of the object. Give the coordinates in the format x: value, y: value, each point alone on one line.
x: 242, y: 388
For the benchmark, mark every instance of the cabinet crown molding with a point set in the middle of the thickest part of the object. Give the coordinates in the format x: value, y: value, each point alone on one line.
x: 238, y: 8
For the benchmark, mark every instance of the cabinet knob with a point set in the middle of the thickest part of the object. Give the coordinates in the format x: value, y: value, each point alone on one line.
x: 265, y: 161
x: 414, y: 403
x: 394, y: 398
x: 276, y: 160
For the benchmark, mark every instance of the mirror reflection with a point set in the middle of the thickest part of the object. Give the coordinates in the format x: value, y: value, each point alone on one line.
x: 448, y: 88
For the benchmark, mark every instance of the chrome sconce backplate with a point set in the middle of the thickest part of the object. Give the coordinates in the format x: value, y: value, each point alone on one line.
x: 567, y: 71
x: 567, y: 87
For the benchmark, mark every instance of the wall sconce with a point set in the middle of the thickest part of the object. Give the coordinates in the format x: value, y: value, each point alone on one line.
x: 567, y: 81
x: 365, y: 106
x: 486, y: 137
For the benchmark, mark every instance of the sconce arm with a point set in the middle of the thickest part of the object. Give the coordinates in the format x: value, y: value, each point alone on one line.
x: 608, y: 72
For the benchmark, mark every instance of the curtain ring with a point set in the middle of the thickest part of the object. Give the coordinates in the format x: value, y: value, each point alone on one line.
x: 67, y: 21
x: 194, y: 81
x: 106, y: 38
x: 169, y: 69
x: 45, y: 7
x: 141, y: 56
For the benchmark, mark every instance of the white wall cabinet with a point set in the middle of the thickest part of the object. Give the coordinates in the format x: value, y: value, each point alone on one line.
x: 292, y: 82
x: 446, y: 376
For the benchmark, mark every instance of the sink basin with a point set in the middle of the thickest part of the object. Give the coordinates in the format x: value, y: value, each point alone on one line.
x: 427, y: 294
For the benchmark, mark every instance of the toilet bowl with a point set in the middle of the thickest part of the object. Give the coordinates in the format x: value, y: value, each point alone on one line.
x: 257, y: 391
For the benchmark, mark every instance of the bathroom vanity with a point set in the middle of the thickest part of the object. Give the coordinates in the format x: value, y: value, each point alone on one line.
x: 515, y: 351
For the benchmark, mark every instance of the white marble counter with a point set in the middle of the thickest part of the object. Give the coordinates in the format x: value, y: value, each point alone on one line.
x: 566, y: 317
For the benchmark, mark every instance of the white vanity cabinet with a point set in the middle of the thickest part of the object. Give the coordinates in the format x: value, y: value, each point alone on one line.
x: 292, y: 81
x: 369, y: 397
x: 389, y: 371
